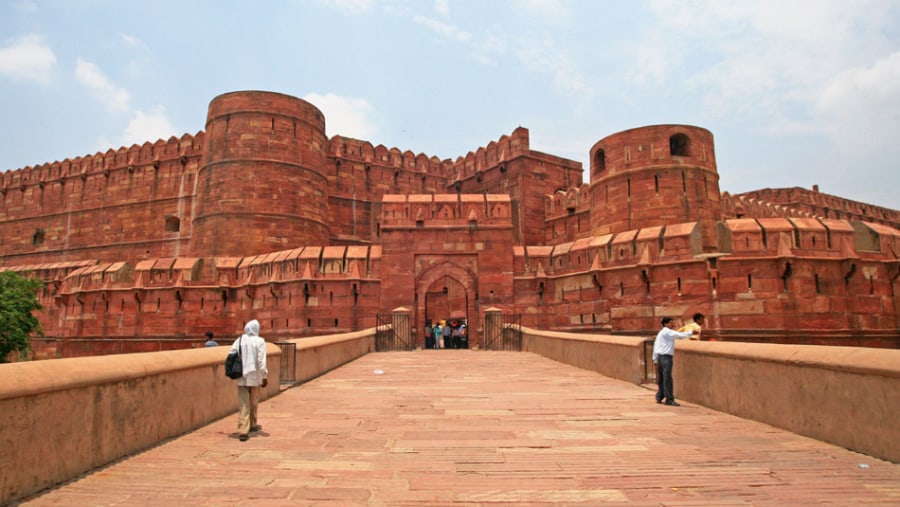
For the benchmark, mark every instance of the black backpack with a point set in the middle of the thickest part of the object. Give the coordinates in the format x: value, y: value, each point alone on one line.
x: 234, y: 365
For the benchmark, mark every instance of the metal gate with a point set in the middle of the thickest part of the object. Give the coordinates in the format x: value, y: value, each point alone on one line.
x: 502, y: 332
x: 388, y: 333
x: 288, y: 362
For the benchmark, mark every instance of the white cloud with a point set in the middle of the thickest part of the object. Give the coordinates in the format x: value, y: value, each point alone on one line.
x: 542, y: 56
x: 89, y: 75
x: 760, y: 60
x: 872, y: 92
x: 653, y: 60
x: 860, y: 108
x: 346, y: 116
x: 131, y: 40
x: 28, y: 59
x: 546, y: 10
x: 444, y: 29
x: 27, y: 6
x: 350, y: 6
x: 148, y: 126
x: 442, y: 7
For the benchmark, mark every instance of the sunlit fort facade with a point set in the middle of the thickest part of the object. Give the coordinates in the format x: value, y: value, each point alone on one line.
x: 261, y: 215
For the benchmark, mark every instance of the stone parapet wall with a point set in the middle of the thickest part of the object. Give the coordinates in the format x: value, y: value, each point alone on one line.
x: 620, y: 357
x: 847, y: 396
x: 843, y: 395
x: 318, y: 355
x: 62, y: 418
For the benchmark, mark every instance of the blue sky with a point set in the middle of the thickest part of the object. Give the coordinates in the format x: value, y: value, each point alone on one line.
x: 795, y: 92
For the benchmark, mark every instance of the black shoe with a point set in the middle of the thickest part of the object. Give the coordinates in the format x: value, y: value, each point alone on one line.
x: 673, y: 403
x: 255, y: 427
x: 243, y: 438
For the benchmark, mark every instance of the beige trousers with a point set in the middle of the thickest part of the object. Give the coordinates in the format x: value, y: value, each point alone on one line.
x: 249, y: 399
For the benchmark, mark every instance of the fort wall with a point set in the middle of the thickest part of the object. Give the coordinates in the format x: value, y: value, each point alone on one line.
x: 111, y: 206
x: 806, y: 281
x: 261, y: 216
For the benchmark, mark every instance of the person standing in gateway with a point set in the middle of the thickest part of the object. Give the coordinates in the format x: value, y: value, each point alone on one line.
x: 253, y: 356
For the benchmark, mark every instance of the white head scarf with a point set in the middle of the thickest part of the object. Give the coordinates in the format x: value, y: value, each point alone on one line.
x: 249, y: 356
x: 251, y: 328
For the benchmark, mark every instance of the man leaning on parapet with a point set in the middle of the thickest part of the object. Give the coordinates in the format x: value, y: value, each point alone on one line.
x: 663, y: 356
x: 253, y: 357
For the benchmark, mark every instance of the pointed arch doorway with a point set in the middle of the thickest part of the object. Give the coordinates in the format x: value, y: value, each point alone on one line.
x: 447, y: 292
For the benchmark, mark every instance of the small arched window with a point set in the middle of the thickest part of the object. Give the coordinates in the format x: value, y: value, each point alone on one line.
x: 599, y: 162
x: 37, y: 239
x: 173, y: 224
x: 680, y: 145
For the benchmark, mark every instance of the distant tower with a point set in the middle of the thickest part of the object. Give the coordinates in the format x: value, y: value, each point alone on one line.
x: 656, y: 175
x: 261, y: 186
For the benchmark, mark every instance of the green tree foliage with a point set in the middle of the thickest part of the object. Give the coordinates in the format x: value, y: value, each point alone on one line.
x: 18, y: 301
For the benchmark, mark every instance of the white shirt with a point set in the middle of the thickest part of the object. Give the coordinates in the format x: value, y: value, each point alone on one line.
x: 253, y: 355
x: 665, y: 342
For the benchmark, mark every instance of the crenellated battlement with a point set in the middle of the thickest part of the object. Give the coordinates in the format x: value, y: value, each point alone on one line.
x: 496, y: 152
x: 446, y: 210
x: 769, y: 238
x: 815, y: 203
x: 344, y: 148
x: 563, y: 203
x: 123, y: 159
x: 309, y: 263
x: 740, y: 206
x: 747, y: 238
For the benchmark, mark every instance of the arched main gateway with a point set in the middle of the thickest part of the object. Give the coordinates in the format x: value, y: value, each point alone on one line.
x: 447, y: 291
x: 462, y: 242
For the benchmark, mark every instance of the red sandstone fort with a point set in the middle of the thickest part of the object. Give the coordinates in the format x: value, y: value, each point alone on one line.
x: 262, y: 216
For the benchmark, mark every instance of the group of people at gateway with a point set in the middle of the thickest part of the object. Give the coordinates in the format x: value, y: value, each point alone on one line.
x: 447, y: 334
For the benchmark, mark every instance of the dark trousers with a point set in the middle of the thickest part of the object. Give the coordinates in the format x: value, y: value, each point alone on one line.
x: 666, y: 389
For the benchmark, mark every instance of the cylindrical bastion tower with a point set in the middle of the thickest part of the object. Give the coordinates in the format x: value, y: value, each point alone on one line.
x: 261, y: 186
x: 655, y: 175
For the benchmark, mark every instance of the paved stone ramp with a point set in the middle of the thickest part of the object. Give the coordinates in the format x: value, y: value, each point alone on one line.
x: 469, y: 428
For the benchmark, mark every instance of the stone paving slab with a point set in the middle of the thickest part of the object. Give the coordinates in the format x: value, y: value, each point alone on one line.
x: 478, y: 428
